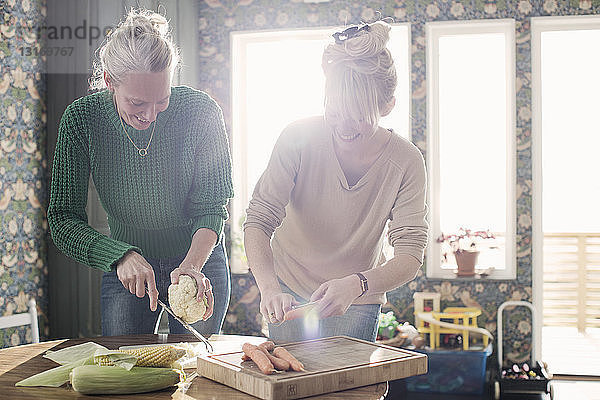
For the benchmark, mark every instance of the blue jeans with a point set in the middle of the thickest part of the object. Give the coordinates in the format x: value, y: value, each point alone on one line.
x: 360, y: 321
x: 124, y: 313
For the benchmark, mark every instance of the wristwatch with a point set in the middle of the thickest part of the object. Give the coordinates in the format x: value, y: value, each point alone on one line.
x: 364, y: 285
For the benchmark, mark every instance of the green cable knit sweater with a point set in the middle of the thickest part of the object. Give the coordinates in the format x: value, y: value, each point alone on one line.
x: 154, y: 203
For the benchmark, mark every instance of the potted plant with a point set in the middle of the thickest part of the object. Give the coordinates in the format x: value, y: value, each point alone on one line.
x: 464, y: 244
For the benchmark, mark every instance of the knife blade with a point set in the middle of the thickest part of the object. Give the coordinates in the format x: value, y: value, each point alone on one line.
x: 187, y: 326
x: 309, y: 304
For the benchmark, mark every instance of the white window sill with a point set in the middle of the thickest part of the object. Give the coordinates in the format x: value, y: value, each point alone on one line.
x: 450, y: 274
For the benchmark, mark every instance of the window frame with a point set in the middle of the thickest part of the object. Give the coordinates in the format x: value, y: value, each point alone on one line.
x: 540, y: 25
x: 435, y: 30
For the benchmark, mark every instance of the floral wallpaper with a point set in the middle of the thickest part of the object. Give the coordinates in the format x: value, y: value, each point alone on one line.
x: 23, y: 168
x: 24, y: 172
x: 217, y: 18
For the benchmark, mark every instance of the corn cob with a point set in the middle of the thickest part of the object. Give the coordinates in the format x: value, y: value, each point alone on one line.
x: 153, y: 356
x: 95, y: 379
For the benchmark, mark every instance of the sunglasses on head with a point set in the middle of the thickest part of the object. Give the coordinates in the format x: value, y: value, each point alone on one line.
x: 349, y: 33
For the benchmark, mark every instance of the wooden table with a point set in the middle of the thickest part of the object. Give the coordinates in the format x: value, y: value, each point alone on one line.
x: 20, y: 362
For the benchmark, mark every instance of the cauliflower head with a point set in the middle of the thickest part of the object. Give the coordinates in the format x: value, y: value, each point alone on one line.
x: 182, y: 299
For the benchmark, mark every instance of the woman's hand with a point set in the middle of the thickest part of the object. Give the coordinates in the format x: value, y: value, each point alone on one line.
x: 334, y: 297
x: 202, y: 282
x: 135, y: 274
x: 274, y: 304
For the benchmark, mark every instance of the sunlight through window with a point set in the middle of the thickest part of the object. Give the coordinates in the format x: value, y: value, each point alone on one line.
x: 471, y: 137
x: 566, y: 190
x: 571, y: 138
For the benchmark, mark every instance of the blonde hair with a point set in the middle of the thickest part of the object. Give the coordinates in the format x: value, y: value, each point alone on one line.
x: 360, y: 76
x: 140, y: 43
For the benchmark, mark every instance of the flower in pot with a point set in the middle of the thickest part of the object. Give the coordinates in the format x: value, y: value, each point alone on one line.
x: 464, y: 244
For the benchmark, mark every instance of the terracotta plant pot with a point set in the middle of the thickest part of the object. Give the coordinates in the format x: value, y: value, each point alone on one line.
x: 466, y: 261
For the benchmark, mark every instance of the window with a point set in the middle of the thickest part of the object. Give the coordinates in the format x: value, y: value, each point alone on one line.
x: 471, y: 150
x: 566, y: 191
x: 277, y: 79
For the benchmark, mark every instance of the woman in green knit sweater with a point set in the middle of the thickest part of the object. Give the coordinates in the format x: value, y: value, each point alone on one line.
x: 159, y: 158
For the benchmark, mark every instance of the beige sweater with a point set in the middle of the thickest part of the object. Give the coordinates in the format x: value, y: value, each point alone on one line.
x: 323, y: 229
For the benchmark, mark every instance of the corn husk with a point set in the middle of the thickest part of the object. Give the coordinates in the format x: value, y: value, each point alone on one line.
x: 69, y: 358
x: 54, y: 377
x: 116, y: 357
x: 72, y: 357
x: 73, y: 353
x: 88, y: 355
x: 94, y: 379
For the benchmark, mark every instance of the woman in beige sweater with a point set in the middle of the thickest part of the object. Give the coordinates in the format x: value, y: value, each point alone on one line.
x: 315, y: 225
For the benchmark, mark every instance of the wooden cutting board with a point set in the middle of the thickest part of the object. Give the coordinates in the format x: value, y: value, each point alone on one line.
x: 332, y: 364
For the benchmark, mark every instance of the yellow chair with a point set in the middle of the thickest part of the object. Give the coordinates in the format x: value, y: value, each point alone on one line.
x: 424, y: 300
x: 466, y: 316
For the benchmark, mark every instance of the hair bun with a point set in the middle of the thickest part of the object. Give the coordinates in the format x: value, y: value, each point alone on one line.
x: 141, y: 42
x: 146, y: 21
x: 360, y: 49
x: 369, y: 42
x: 360, y: 76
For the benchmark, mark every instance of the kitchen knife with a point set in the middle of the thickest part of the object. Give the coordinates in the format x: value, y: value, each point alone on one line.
x: 309, y: 304
x: 187, y: 326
